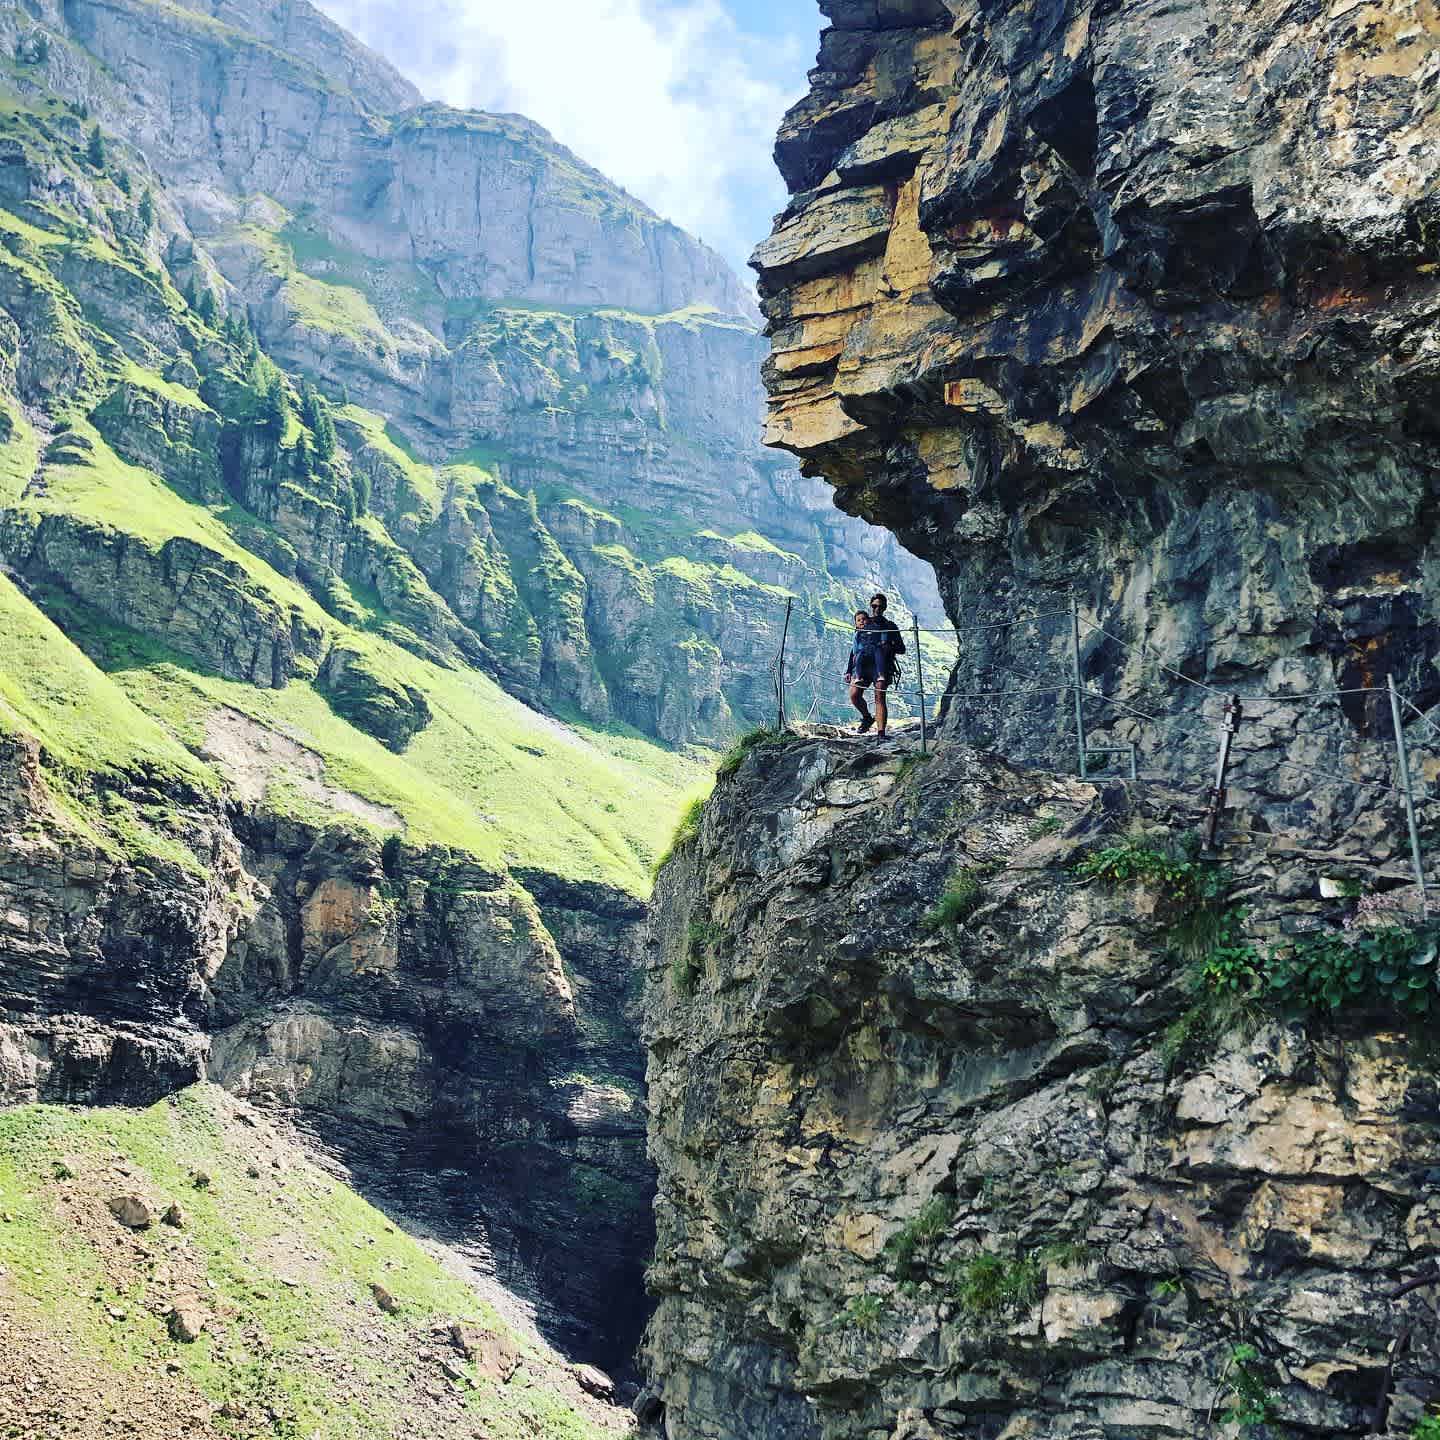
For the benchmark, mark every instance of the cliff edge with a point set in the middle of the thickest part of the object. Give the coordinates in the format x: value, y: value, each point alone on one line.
x: 985, y: 1102
x: 984, y: 1107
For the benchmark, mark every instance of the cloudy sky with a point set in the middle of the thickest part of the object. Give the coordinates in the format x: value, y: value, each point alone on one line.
x: 678, y: 100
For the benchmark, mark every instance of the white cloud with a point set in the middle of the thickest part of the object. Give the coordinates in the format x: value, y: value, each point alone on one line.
x: 671, y: 99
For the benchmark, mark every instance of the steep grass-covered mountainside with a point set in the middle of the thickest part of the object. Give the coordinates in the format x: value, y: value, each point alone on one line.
x: 489, y: 319
x: 985, y: 1103
x: 381, y: 518
x: 188, y: 1270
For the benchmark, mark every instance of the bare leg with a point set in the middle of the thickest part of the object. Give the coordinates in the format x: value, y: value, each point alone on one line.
x: 857, y: 699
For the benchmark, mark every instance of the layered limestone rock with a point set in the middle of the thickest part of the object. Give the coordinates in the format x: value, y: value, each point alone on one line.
x: 942, y: 1175
x: 1138, y: 300
x: 1136, y: 303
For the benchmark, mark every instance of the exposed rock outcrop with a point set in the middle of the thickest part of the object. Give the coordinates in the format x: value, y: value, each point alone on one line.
x: 415, y: 1010
x: 939, y: 1172
x: 1140, y: 300
x: 1137, y: 303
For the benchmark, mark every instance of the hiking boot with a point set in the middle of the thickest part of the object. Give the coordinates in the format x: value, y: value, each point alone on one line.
x: 865, y: 724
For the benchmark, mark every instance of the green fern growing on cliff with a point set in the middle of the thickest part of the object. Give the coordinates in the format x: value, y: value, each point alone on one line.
x: 1428, y: 1428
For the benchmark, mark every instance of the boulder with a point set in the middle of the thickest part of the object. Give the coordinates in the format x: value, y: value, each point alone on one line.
x: 135, y: 1212
x: 594, y: 1382
x: 186, y: 1321
x: 496, y: 1356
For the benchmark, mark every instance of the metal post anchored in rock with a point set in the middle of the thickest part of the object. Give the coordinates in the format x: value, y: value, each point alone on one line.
x: 1404, y: 754
x: 780, y: 668
x: 1079, y: 696
x: 1229, y: 724
x: 1079, y: 689
x: 920, y: 683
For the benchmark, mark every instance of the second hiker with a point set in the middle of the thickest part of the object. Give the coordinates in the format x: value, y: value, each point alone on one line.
x: 873, y: 662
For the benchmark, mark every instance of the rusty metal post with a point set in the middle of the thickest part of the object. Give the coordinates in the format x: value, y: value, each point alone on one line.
x: 1229, y: 724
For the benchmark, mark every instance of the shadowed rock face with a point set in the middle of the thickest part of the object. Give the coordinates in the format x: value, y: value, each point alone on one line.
x: 461, y: 1042
x: 1140, y: 299
x: 934, y: 1182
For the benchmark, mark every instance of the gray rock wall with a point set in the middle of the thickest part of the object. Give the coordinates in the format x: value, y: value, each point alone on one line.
x: 923, y: 1179
x: 1140, y: 302
x: 1136, y: 303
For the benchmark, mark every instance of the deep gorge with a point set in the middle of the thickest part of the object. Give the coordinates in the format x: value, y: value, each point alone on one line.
x: 368, y: 576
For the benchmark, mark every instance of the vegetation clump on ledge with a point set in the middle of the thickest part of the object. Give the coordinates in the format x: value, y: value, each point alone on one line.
x: 703, y: 939
x: 1234, y: 983
x: 988, y: 1286
x: 756, y: 739
x: 964, y: 894
x: 687, y: 829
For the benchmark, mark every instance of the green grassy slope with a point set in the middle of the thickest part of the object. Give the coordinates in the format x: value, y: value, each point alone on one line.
x: 486, y: 775
x: 277, y: 1257
x: 49, y: 688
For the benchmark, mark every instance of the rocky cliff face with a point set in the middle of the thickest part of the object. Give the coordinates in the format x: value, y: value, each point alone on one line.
x: 937, y: 1161
x: 983, y: 1105
x: 1136, y: 300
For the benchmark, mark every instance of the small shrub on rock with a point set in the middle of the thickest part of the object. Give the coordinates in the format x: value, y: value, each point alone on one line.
x: 988, y: 1286
x: 1250, y: 1403
x: 964, y: 894
x: 1393, y: 969
x: 702, y: 940
x: 734, y: 757
x: 863, y: 1312
x: 907, y: 1247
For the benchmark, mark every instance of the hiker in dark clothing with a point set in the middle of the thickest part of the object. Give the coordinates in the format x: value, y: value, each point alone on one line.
x: 872, y: 662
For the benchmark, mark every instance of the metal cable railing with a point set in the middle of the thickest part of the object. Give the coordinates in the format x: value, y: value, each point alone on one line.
x: 1236, y: 707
